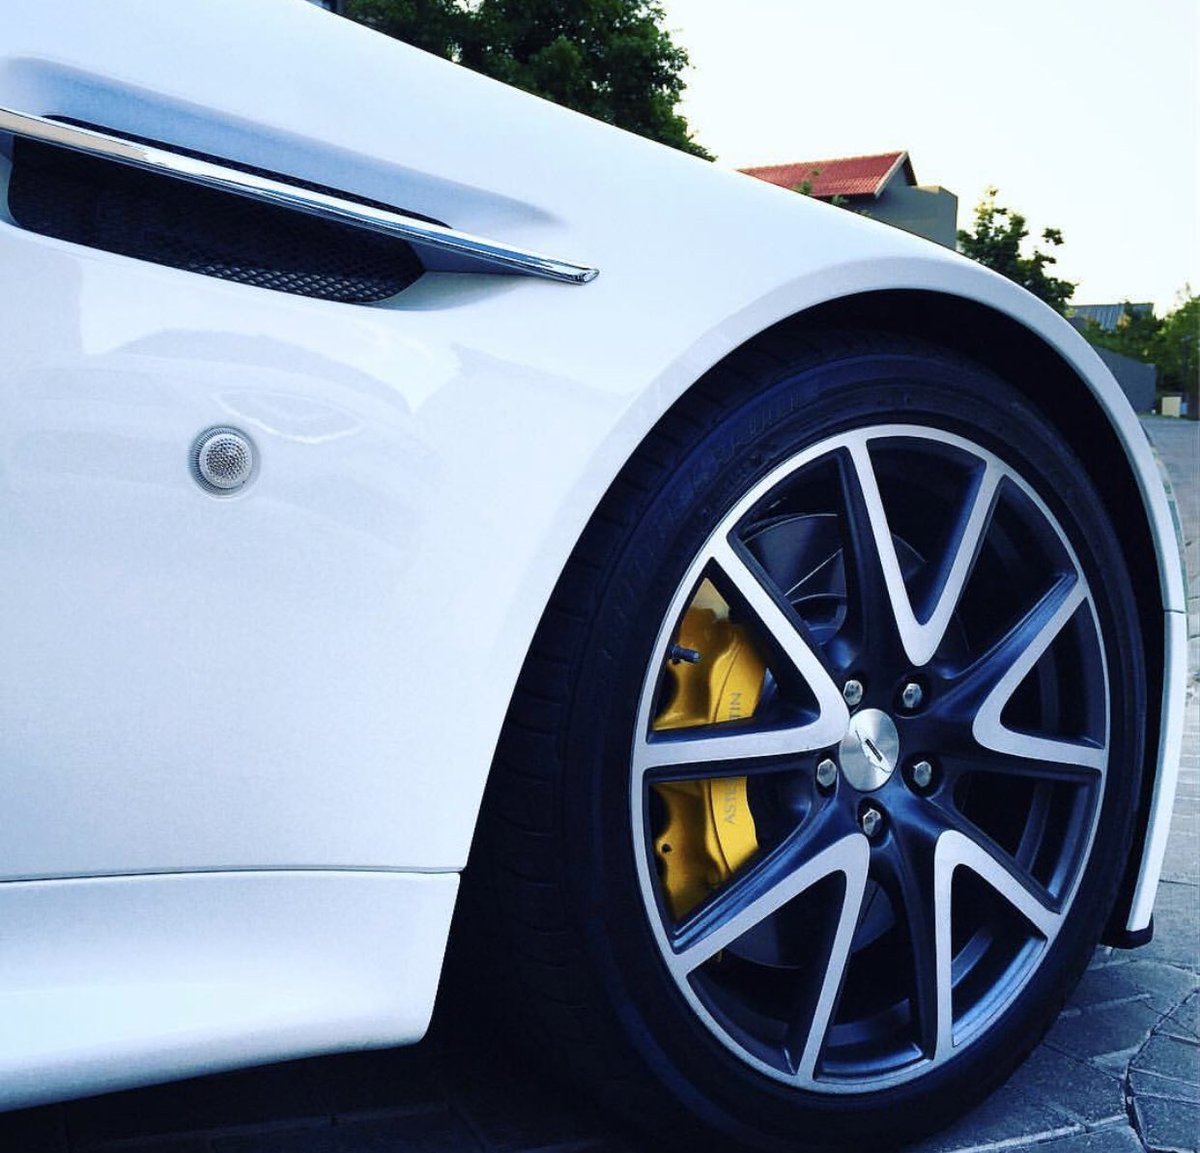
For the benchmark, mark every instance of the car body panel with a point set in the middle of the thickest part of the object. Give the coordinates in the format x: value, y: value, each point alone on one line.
x: 312, y: 675
x: 228, y: 969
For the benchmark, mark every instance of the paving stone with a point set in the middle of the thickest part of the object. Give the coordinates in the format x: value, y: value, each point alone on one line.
x: 1105, y: 1030
x: 440, y: 1132
x: 1176, y: 927
x: 168, y: 1144
x: 1009, y: 1115
x: 1168, y: 1125
x: 1115, y: 1139
x: 1106, y: 985
x: 1182, y: 862
x: 1143, y: 1084
x: 1070, y: 1086
x: 1171, y: 1027
x: 1186, y: 1016
x: 395, y: 1080
x: 1169, y: 1057
x: 515, y: 1109
x: 610, y: 1145
x: 604, y: 1145
x: 259, y: 1096
x: 1167, y: 985
x: 508, y: 1098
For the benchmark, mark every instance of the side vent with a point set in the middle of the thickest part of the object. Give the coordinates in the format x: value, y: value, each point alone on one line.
x: 112, y: 206
x: 162, y: 203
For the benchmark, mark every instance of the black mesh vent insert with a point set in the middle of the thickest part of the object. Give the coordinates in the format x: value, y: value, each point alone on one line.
x: 111, y: 206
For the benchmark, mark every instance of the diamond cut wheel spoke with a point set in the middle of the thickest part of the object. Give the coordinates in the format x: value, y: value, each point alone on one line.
x: 907, y: 870
x: 871, y: 594
x: 919, y: 638
x: 955, y: 849
x: 678, y: 753
x: 923, y: 638
x: 986, y: 688
x: 766, y: 891
x: 965, y: 762
x: 993, y: 860
x: 786, y: 632
x: 776, y: 621
x: 918, y: 871
x: 853, y: 860
x: 809, y: 856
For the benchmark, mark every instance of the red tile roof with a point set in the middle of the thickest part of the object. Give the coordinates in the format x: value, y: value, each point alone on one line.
x: 848, y: 176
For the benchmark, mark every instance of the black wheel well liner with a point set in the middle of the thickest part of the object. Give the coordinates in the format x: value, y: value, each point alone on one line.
x: 1005, y: 346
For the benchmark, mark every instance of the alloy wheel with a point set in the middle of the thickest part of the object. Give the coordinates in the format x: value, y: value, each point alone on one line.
x: 869, y: 758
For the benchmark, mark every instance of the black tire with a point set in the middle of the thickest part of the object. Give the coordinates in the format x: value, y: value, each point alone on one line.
x: 567, y: 874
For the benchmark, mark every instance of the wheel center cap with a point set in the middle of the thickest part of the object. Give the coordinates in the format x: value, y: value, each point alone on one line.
x: 870, y: 750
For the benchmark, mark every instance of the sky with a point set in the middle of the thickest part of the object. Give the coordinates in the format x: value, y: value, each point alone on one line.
x: 1084, y: 113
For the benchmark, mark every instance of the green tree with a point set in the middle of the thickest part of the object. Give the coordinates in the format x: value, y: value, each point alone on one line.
x: 1135, y: 335
x: 1171, y: 343
x: 998, y: 243
x: 433, y: 25
x: 1176, y: 351
x: 610, y: 59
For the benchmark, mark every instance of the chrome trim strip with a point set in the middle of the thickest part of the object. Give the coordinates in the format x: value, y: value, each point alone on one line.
x: 475, y: 250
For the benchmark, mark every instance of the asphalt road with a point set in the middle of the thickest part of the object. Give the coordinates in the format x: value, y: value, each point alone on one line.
x: 1120, y: 1070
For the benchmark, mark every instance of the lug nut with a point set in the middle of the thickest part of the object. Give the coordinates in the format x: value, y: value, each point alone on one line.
x: 912, y: 695
x: 922, y: 774
x: 852, y: 693
x: 826, y: 773
x: 871, y: 821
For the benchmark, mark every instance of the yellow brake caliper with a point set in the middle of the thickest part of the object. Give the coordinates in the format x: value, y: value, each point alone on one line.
x: 709, y: 833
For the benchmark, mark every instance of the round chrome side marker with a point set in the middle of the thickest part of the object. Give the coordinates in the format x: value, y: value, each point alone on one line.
x: 223, y: 461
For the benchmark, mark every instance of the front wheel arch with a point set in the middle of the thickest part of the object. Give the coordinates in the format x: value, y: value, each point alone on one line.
x: 525, y: 799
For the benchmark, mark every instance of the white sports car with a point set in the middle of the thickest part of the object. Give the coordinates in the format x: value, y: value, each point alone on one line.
x: 785, y: 614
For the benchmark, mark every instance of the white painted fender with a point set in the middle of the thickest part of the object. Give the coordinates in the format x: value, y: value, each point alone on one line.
x: 312, y: 675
